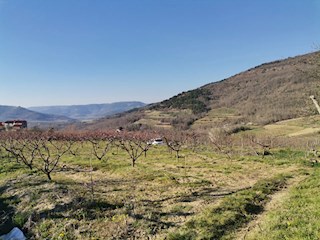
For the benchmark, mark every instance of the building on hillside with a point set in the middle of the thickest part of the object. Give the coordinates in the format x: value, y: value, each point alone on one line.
x: 13, y: 125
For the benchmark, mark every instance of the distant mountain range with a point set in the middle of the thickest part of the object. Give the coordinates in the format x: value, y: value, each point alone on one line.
x: 64, y: 114
x: 90, y: 111
x: 12, y: 113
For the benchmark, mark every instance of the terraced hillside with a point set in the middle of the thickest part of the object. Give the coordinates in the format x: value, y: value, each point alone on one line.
x: 264, y: 94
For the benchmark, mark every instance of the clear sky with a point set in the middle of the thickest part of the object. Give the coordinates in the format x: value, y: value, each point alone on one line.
x: 62, y: 52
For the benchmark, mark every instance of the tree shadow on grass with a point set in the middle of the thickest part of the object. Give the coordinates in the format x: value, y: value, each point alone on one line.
x: 6, y: 213
x: 79, y: 208
x: 213, y: 193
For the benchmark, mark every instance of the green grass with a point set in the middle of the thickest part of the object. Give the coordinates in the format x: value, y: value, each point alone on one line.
x: 299, y: 216
x: 235, y: 210
x: 9, y: 168
x: 9, y: 217
x: 156, y: 197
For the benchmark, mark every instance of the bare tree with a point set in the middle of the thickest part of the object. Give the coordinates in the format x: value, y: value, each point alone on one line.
x: 101, y: 143
x: 175, y: 141
x: 193, y: 140
x: 26, y: 151
x: 8, y: 141
x: 221, y: 141
x: 50, y: 148
x: 264, y: 145
x: 134, y: 143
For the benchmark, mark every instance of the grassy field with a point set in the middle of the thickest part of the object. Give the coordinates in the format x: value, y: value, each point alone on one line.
x: 216, y: 117
x: 297, y: 215
x: 294, y: 127
x: 162, y: 119
x: 201, y: 195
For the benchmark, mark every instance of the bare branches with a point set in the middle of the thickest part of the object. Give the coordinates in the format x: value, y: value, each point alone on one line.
x: 101, y: 143
x: 264, y: 144
x: 50, y: 152
x: 221, y: 141
x: 36, y: 149
x: 175, y: 141
x: 135, y: 144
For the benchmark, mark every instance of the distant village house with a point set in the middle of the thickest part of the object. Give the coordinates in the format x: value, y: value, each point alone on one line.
x: 13, y: 125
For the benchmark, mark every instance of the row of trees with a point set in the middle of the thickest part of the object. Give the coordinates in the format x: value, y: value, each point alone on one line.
x: 43, y: 150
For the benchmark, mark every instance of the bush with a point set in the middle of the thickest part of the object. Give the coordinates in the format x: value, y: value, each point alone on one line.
x: 196, y: 100
x: 238, y: 129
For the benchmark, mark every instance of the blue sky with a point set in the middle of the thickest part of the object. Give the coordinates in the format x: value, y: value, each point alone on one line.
x: 62, y: 52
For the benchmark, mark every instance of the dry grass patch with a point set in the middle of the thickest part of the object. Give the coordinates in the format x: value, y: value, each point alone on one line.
x: 117, y: 201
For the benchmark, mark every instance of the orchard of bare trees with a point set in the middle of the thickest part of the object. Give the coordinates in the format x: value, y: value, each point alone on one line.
x: 132, y: 187
x: 42, y: 150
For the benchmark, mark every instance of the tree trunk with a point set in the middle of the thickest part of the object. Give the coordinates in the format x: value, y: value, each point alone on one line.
x: 133, y: 162
x: 49, y: 176
x: 177, y: 151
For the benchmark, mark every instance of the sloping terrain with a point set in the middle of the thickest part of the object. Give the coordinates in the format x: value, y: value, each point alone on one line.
x: 268, y: 93
x: 303, y: 126
x: 271, y: 92
x: 11, y: 112
x: 163, y: 197
x: 90, y: 111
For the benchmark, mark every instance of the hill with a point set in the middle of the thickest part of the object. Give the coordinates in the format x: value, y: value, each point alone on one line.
x: 271, y: 92
x: 90, y: 111
x: 264, y: 94
x: 11, y: 112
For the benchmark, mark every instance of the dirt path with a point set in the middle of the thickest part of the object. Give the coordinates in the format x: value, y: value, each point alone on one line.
x: 276, y: 201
